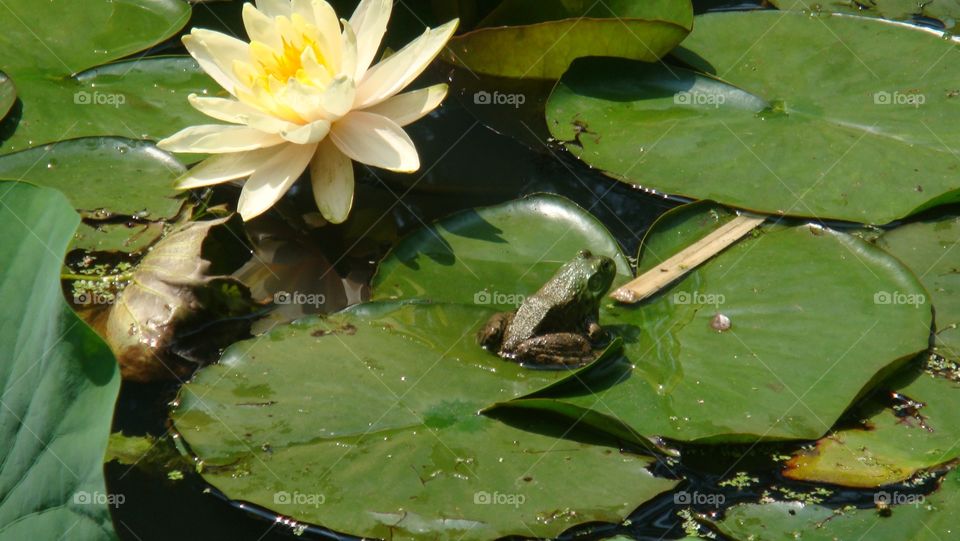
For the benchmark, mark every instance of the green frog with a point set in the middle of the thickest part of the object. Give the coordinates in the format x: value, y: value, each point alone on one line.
x: 557, y: 325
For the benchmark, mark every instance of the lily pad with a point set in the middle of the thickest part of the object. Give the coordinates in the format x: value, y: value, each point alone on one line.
x: 871, y: 138
x: 535, y: 39
x: 764, y: 377
x: 59, y: 379
x: 138, y: 99
x: 928, y: 247
x: 111, y: 237
x: 917, y: 517
x: 493, y: 256
x: 8, y: 94
x: 945, y: 11
x: 315, y: 418
x: 898, y: 436
x: 103, y: 176
x: 51, y: 51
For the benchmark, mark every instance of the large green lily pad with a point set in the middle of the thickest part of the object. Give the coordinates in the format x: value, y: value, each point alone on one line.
x: 315, y: 418
x: 59, y: 379
x: 765, y: 377
x: 929, y: 248
x: 813, y: 116
x: 493, y: 256
x: 945, y: 11
x: 917, y: 517
x: 51, y: 51
x: 894, y: 440
x: 103, y: 176
x: 536, y: 39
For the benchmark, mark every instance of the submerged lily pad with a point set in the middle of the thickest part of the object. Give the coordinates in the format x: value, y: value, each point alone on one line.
x: 103, y: 176
x: 59, y: 379
x: 858, y: 134
x: 51, y: 51
x: 929, y: 248
x: 111, y: 237
x: 315, y: 418
x: 913, y: 516
x: 899, y: 435
x: 765, y: 377
x: 535, y: 39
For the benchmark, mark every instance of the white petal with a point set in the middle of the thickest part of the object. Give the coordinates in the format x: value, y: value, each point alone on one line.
x: 303, y: 8
x: 331, y: 173
x: 399, y: 69
x: 274, y: 8
x: 338, y: 98
x: 369, y: 22
x: 272, y: 179
x: 328, y: 28
x: 324, y: 18
x: 260, y: 27
x: 409, y: 107
x: 239, y: 113
x: 313, y: 68
x: 348, y: 53
x: 313, y: 132
x: 216, y: 53
x: 223, y: 168
x: 312, y: 104
x: 218, y: 139
x: 375, y: 140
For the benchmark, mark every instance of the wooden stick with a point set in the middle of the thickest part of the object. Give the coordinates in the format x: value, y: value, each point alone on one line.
x: 687, y: 259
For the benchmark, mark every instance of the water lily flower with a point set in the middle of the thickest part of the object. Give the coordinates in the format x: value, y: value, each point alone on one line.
x: 304, y: 94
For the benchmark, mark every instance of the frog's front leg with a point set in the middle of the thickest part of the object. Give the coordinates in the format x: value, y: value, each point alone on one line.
x: 490, y: 336
x: 595, y: 332
x: 558, y: 349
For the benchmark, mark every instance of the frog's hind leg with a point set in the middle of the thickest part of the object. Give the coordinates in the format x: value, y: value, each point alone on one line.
x: 556, y: 349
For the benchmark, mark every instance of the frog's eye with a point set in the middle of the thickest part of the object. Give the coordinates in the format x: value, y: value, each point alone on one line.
x: 585, y: 254
x: 596, y: 283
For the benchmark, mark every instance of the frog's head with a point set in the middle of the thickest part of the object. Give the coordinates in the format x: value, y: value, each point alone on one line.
x: 595, y: 274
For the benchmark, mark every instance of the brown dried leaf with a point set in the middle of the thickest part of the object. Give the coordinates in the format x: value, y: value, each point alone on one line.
x: 161, y: 292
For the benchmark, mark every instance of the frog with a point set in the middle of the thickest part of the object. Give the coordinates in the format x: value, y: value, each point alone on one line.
x: 558, y: 326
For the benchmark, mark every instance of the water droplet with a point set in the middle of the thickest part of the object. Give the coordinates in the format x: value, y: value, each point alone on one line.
x: 720, y: 323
